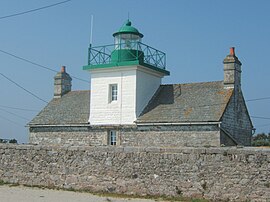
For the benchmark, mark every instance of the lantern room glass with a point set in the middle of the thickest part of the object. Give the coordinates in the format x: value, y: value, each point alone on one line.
x: 126, y: 41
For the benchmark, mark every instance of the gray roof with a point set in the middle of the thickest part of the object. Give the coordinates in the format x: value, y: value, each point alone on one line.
x: 72, y: 108
x: 192, y: 102
x: 176, y: 103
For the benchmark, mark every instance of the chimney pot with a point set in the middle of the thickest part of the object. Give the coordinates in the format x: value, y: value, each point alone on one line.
x: 232, y: 51
x: 63, y: 69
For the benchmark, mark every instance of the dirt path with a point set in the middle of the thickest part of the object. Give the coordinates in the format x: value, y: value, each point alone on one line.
x: 25, y: 194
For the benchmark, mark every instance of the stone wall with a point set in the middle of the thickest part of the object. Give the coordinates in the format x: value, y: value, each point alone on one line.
x: 172, y: 136
x: 80, y: 136
x: 230, y: 174
x: 157, y: 136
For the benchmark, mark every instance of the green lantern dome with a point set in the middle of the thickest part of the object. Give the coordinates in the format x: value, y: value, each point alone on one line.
x: 128, y: 29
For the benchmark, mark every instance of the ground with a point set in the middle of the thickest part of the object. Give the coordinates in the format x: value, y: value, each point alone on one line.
x: 26, y: 194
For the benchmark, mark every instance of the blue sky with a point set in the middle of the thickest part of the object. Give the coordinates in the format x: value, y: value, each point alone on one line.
x: 195, y: 35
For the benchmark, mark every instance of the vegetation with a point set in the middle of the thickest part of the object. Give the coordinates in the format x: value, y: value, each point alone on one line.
x: 12, y: 141
x: 267, y: 184
x: 261, y: 139
x: 2, y: 182
x: 156, y: 198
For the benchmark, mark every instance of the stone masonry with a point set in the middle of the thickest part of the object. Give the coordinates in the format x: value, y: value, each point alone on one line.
x: 144, y: 136
x: 228, y: 173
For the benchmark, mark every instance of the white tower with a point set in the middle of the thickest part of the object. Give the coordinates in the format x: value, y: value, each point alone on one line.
x: 124, y: 77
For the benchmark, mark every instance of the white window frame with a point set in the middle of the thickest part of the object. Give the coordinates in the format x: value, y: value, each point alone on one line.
x: 112, y: 139
x: 113, y: 92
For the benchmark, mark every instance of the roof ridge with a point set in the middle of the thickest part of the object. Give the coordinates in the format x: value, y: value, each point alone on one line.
x: 191, y: 83
x: 80, y: 90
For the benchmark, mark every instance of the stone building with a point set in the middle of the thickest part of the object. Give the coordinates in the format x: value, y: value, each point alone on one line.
x: 129, y: 106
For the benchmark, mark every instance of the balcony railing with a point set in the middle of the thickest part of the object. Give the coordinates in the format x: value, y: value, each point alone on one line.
x: 102, y: 55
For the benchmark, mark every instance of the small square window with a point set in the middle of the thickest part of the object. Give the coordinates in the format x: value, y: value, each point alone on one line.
x: 113, y: 92
x: 112, y: 137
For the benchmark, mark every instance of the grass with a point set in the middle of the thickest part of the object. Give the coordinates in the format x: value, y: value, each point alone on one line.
x: 267, y: 184
x: 199, y: 200
x: 156, y: 198
x: 2, y: 182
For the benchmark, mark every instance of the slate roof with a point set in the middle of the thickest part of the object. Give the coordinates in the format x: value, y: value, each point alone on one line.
x: 72, y: 108
x: 192, y: 102
x: 176, y: 103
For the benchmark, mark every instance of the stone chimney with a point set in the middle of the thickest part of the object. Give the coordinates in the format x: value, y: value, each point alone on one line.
x: 232, y: 71
x: 62, y: 83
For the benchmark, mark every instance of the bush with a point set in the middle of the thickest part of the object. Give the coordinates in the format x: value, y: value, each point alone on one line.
x: 261, y: 139
x: 3, y: 141
x: 14, y: 141
x: 260, y: 143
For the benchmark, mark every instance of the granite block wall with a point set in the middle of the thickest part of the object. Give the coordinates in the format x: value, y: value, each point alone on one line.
x: 229, y: 174
x: 67, y: 135
x: 157, y: 136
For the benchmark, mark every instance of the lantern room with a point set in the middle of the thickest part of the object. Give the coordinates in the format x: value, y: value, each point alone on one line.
x: 127, y: 36
x: 127, y: 44
x: 127, y: 50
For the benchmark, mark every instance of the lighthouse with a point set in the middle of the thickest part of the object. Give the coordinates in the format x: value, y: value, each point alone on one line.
x: 128, y: 105
x: 124, y: 77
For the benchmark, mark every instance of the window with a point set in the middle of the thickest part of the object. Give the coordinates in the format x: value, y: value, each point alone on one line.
x: 113, y: 92
x: 112, y: 137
